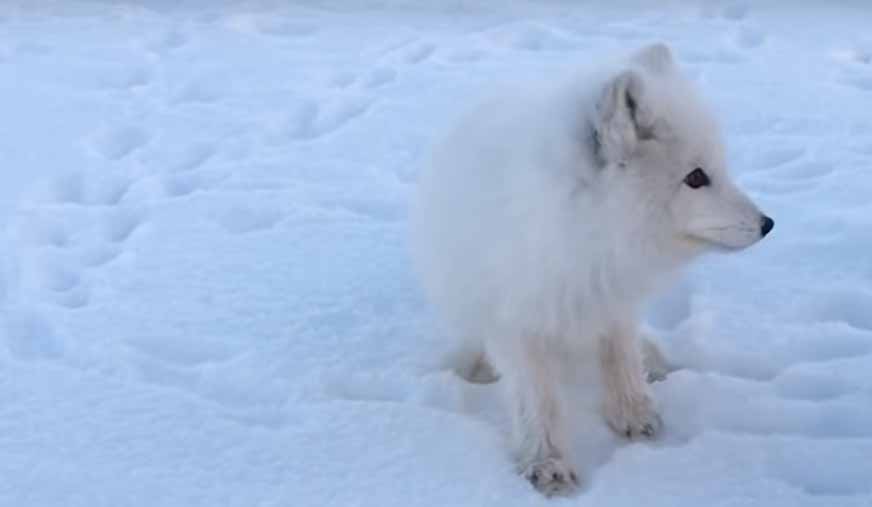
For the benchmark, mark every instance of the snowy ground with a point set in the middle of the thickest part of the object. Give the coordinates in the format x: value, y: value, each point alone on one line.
x: 206, y: 298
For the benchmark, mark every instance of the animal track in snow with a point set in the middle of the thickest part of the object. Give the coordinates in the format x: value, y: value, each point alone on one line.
x: 244, y: 219
x: 120, y: 224
x: 848, y: 305
x: 167, y: 41
x: 735, y: 11
x: 30, y: 336
x: 807, y: 170
x: 531, y: 37
x: 342, y: 79
x: 60, y: 278
x: 780, y: 186
x: 466, y: 55
x: 855, y: 55
x: 375, y: 78
x: 45, y: 232
x: 33, y: 48
x: 285, y: 28
x: 375, y: 209
x: 108, y: 191
x: 748, y: 38
x: 77, y: 297
x: 171, y: 351
x: 419, y: 53
x: 273, y: 26
x: 380, y: 77
x: 859, y: 81
x: 98, y: 255
x: 198, y: 91
x: 778, y: 156
x: 69, y: 188
x: 311, y: 121
x: 126, y: 78
x: 727, y: 56
x: 76, y: 188
x: 117, y: 143
x: 193, y: 156
x: 797, y: 384
x: 800, y: 467
x: 181, y: 184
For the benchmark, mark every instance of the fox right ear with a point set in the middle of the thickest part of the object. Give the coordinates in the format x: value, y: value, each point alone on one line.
x: 623, y: 117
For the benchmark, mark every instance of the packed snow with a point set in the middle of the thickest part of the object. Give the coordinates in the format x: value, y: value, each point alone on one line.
x: 206, y: 295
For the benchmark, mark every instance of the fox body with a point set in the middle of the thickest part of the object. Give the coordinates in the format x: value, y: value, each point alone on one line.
x: 549, y: 215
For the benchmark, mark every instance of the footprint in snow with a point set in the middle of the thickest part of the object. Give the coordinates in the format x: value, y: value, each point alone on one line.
x: 800, y: 384
x: 58, y: 277
x: 375, y: 78
x: 125, y: 78
x: 799, y: 466
x: 532, y: 37
x: 39, y: 231
x: 734, y: 11
x: 380, y: 77
x: 30, y: 336
x: 748, y: 38
x: 859, y: 81
x: 419, y: 53
x: 342, y: 79
x: 779, y: 186
x: 466, y: 55
x: 75, y: 298
x: 76, y: 188
x: 285, y: 28
x: 309, y: 120
x: 193, y: 156
x: 33, y: 48
x: 118, y: 142
x: 167, y: 41
x: 853, y: 56
x: 120, y: 223
x: 778, y: 156
x: 197, y: 91
x: 244, y: 219
x: 182, y: 184
x: 722, y: 55
x: 807, y: 170
x: 99, y: 254
x: 848, y: 305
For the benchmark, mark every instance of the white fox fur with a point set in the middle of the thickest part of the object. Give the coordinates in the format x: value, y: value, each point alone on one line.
x: 547, y: 217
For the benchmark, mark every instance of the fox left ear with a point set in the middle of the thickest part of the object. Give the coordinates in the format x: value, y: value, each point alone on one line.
x: 623, y: 118
x: 655, y: 58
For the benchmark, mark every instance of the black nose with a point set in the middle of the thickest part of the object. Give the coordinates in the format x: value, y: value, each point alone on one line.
x: 766, y: 225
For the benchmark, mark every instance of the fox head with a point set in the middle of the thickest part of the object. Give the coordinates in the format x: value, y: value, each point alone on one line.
x: 663, y: 151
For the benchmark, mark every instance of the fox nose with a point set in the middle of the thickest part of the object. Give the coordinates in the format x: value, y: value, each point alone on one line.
x: 766, y: 225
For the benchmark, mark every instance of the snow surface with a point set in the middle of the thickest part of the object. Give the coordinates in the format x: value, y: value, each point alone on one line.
x: 205, y: 292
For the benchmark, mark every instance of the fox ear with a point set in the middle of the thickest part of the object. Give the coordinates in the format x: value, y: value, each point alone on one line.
x: 623, y: 118
x: 656, y: 58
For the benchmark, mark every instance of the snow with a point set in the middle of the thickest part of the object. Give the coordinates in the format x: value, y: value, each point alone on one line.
x: 206, y: 298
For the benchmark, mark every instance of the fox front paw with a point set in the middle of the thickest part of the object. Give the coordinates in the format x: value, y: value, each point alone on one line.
x: 634, y: 419
x: 552, y: 477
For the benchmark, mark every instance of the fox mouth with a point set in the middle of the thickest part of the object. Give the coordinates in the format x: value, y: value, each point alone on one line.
x: 726, y: 238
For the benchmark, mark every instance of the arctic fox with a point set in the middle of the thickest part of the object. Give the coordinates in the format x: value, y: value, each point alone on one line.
x: 546, y: 218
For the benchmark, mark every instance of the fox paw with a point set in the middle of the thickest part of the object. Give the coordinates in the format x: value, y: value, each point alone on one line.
x: 634, y: 419
x: 552, y: 477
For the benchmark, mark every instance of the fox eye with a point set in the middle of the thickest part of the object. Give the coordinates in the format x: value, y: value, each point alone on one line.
x: 697, y: 178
